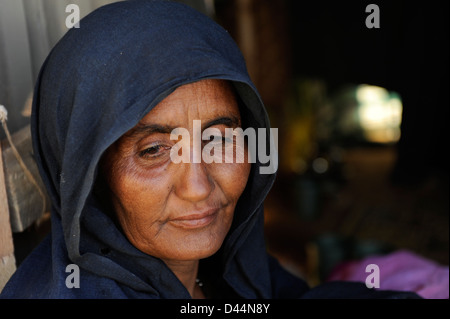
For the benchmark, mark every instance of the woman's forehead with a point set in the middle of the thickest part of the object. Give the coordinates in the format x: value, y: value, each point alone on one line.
x: 203, y: 100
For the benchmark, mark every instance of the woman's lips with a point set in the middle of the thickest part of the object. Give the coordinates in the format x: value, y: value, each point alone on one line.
x: 196, y: 220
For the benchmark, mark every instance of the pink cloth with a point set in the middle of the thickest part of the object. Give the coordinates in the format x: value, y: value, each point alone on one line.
x: 401, y: 270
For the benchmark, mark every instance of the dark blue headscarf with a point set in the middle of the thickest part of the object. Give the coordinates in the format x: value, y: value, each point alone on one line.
x: 96, y: 84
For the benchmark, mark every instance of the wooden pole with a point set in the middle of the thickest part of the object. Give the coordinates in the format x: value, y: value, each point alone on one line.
x: 7, y: 259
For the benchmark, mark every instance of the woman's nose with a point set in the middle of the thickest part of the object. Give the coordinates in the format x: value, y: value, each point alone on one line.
x: 194, y: 184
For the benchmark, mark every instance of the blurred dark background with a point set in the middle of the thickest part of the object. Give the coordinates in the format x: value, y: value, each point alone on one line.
x: 361, y: 114
x: 356, y: 178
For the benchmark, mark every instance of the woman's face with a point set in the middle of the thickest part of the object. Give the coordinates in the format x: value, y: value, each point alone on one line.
x: 176, y: 211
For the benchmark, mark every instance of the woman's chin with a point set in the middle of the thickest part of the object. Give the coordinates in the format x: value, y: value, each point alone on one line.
x: 191, y: 251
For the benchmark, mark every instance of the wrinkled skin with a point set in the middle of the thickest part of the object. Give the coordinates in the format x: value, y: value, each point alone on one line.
x: 178, y: 212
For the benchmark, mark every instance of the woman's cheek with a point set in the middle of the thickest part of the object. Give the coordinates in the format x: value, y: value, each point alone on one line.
x: 138, y: 191
x: 231, y: 177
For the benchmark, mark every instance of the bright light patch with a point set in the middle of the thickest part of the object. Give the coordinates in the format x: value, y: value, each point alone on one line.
x: 380, y: 113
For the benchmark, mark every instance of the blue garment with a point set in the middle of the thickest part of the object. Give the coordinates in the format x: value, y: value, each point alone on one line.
x: 96, y: 84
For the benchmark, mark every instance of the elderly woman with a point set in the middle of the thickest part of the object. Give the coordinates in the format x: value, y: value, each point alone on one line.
x: 135, y: 222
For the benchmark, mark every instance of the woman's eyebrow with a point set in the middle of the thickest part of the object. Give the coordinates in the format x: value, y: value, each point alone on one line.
x: 230, y: 121
x: 147, y: 129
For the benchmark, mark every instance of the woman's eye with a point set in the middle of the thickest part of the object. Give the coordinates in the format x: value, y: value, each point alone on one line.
x: 153, y: 151
x: 227, y: 140
x: 215, y: 139
x: 219, y: 139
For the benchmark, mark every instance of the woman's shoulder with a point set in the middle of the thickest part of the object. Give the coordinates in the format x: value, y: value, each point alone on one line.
x: 284, y: 283
x: 46, y: 273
